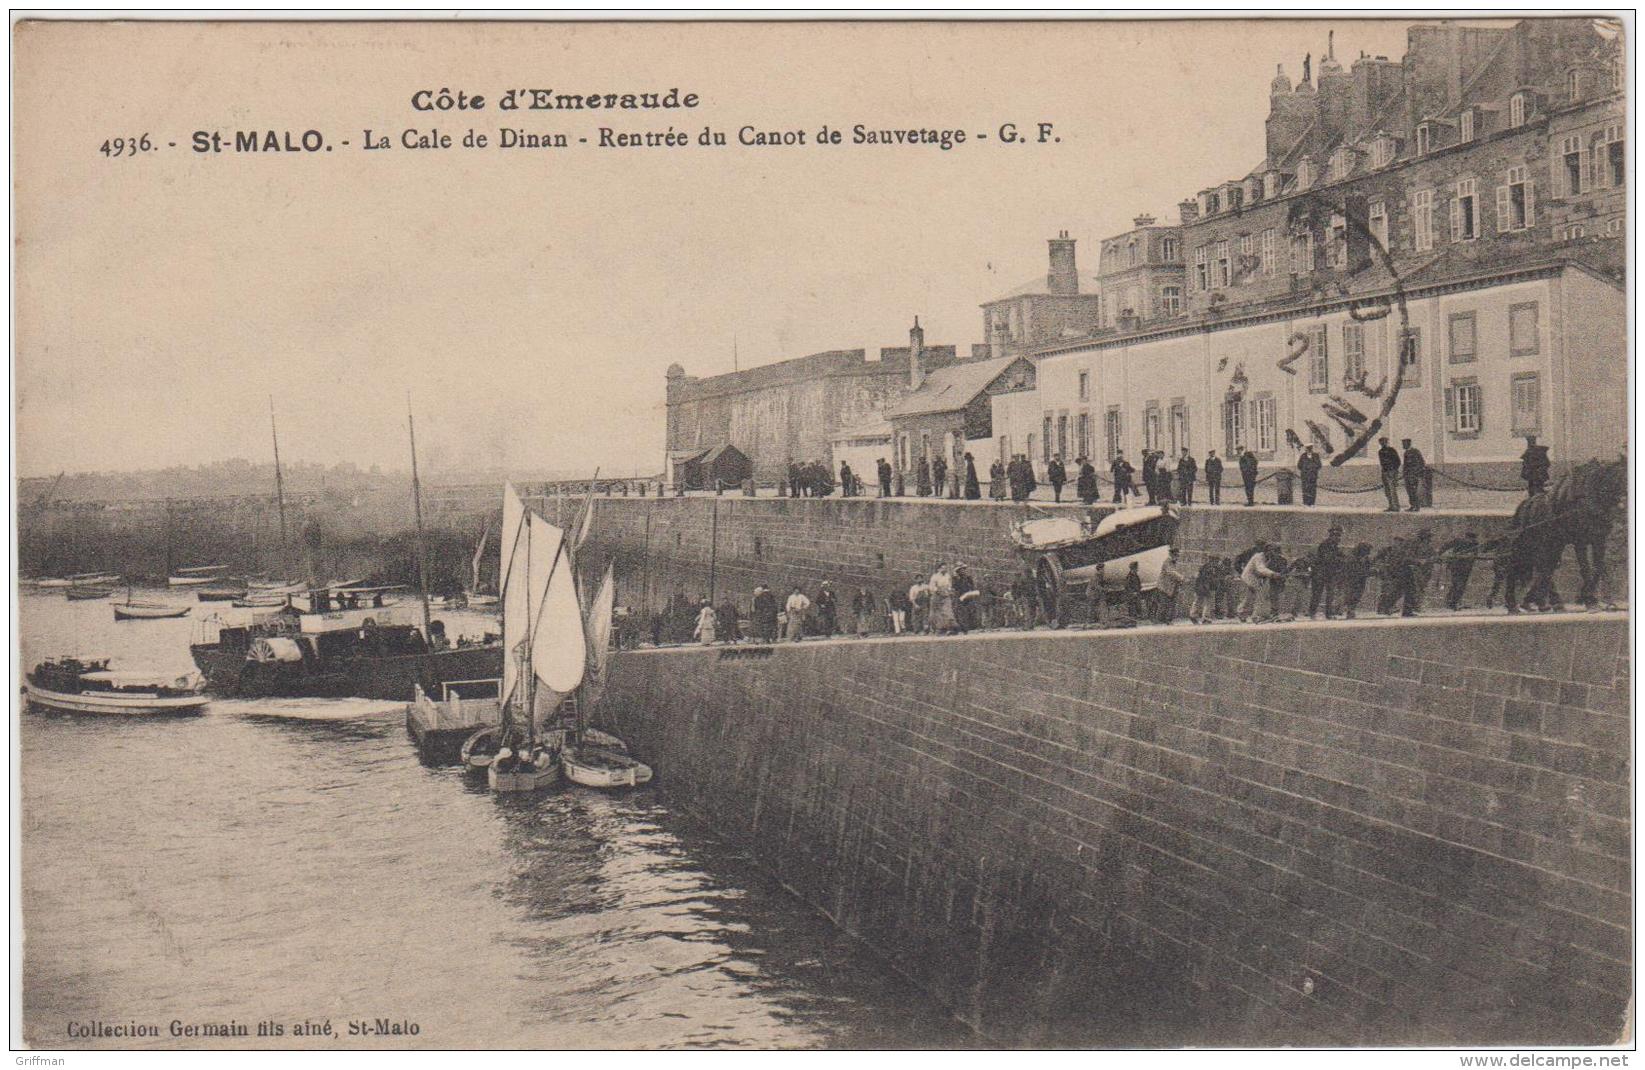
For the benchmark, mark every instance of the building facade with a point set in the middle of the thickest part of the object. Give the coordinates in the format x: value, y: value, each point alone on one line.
x: 1434, y: 245
x: 1041, y: 312
x: 1141, y: 275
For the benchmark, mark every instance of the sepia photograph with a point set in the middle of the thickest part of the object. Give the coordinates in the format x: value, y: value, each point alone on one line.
x: 833, y: 532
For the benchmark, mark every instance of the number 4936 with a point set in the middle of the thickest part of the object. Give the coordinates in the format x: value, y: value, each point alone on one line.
x: 126, y: 146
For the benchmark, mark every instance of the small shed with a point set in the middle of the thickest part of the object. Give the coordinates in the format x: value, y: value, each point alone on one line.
x: 702, y: 469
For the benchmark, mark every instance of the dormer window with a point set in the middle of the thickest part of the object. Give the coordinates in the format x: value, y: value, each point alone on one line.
x: 1213, y: 204
x: 1573, y: 86
x: 1382, y: 151
x: 1424, y: 139
x: 1270, y: 184
x: 1519, y: 108
x: 1305, y: 174
x: 1235, y: 196
x: 1467, y: 124
x: 1342, y: 163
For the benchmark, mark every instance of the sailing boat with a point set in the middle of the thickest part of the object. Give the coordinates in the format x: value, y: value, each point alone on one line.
x: 545, y: 649
x: 593, y: 758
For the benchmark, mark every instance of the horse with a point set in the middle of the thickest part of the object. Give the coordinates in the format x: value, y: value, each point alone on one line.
x: 1579, y: 511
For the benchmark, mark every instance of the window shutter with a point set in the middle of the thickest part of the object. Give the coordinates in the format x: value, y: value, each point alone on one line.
x: 1530, y: 202
x: 1451, y: 408
x: 1456, y: 218
x: 1503, y: 223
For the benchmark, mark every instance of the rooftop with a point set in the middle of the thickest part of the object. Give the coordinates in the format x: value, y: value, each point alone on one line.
x: 952, y: 388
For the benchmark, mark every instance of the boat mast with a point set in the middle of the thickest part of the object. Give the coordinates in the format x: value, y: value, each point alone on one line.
x: 279, y: 480
x: 417, y: 502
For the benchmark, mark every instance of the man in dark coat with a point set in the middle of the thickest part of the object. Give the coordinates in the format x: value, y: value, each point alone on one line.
x: 1415, y: 467
x: 1459, y: 555
x: 1356, y: 573
x: 793, y: 480
x: 1534, y: 466
x: 939, y: 475
x: 973, y: 489
x: 1387, y: 564
x: 1327, y: 571
x: 1187, y: 473
x: 1388, y: 459
x: 1213, y: 478
x: 1248, y: 474
x: 727, y: 622
x: 1121, y: 470
x: 1087, y: 485
x: 1056, y: 475
x: 765, y: 615
x: 828, y: 610
x: 922, y: 478
x: 965, y: 609
x: 1308, y: 466
x: 848, y: 487
x: 884, y: 471
x: 1150, y: 475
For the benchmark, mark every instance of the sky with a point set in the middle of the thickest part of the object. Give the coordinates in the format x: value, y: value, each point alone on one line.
x: 529, y: 301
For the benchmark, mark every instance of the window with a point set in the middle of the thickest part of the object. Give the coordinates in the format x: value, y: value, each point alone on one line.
x: 1222, y: 276
x: 1410, y: 356
x: 1151, y: 427
x: 1342, y: 163
x: 1517, y: 109
x: 1378, y: 222
x: 1574, y: 231
x: 1168, y: 248
x: 1613, y: 226
x: 1570, y: 155
x: 1005, y: 448
x: 1269, y: 251
x: 1526, y: 400
x: 1467, y: 125
x: 1609, y: 168
x: 1465, y: 211
x: 1422, y: 220
x: 1337, y: 252
x: 1265, y: 422
x: 1305, y: 174
x: 1234, y: 197
x: 1045, y: 439
x: 1382, y: 152
x: 1202, y: 277
x: 1516, y: 201
x: 1463, y: 403
x: 1233, y: 428
x: 1573, y: 86
x: 1247, y: 246
x: 1212, y: 204
x: 1319, y: 360
x: 925, y: 445
x: 1460, y: 332
x: 1424, y: 139
x: 1113, y: 431
x: 1353, y: 352
x: 1523, y: 335
x: 1170, y: 300
x: 902, y: 450
x: 1062, y: 435
x: 1083, y: 426
x: 1030, y: 453
x: 1131, y: 253
x: 1085, y: 386
x: 1302, y: 254
x: 1179, y: 427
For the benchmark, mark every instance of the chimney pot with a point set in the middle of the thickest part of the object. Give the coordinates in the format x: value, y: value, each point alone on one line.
x: 1144, y: 220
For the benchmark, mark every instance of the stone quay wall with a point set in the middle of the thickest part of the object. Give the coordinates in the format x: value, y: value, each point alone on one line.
x: 1389, y: 832
x: 661, y: 544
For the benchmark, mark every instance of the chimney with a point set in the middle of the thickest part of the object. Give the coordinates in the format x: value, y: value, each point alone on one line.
x: 916, y: 355
x: 1144, y: 220
x: 1188, y: 211
x: 1063, y: 279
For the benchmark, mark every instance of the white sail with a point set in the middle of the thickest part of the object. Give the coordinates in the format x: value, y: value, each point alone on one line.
x: 599, y: 636
x: 511, y: 584
x: 559, y: 646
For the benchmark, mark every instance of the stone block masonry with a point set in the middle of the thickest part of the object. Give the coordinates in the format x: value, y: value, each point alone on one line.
x: 1359, y: 833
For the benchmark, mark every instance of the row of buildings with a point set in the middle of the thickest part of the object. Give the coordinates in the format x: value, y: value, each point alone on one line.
x: 1434, y: 247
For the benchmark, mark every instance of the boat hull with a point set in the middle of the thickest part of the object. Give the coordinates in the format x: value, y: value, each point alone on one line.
x: 112, y: 704
x: 133, y: 612
x: 391, y: 679
x: 545, y: 774
x: 603, y: 767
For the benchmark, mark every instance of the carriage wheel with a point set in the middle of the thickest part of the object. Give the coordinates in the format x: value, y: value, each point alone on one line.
x: 1048, y: 577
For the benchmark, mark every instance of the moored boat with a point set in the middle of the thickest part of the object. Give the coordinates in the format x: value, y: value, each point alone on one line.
x: 602, y: 767
x: 592, y: 758
x: 220, y: 592
x: 87, y: 685
x: 198, y: 576
x: 80, y: 593
x: 130, y: 610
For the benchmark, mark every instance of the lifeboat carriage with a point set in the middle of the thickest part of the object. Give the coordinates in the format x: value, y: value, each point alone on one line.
x: 1067, y: 554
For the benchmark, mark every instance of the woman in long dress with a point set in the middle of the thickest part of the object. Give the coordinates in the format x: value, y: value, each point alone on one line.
x: 706, y: 624
x: 942, y: 601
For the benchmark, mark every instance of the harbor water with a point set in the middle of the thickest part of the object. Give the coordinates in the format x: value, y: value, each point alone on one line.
x: 291, y: 862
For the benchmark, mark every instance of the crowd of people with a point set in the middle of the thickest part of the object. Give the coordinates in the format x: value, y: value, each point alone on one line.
x: 1160, y: 479
x: 1259, y: 585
